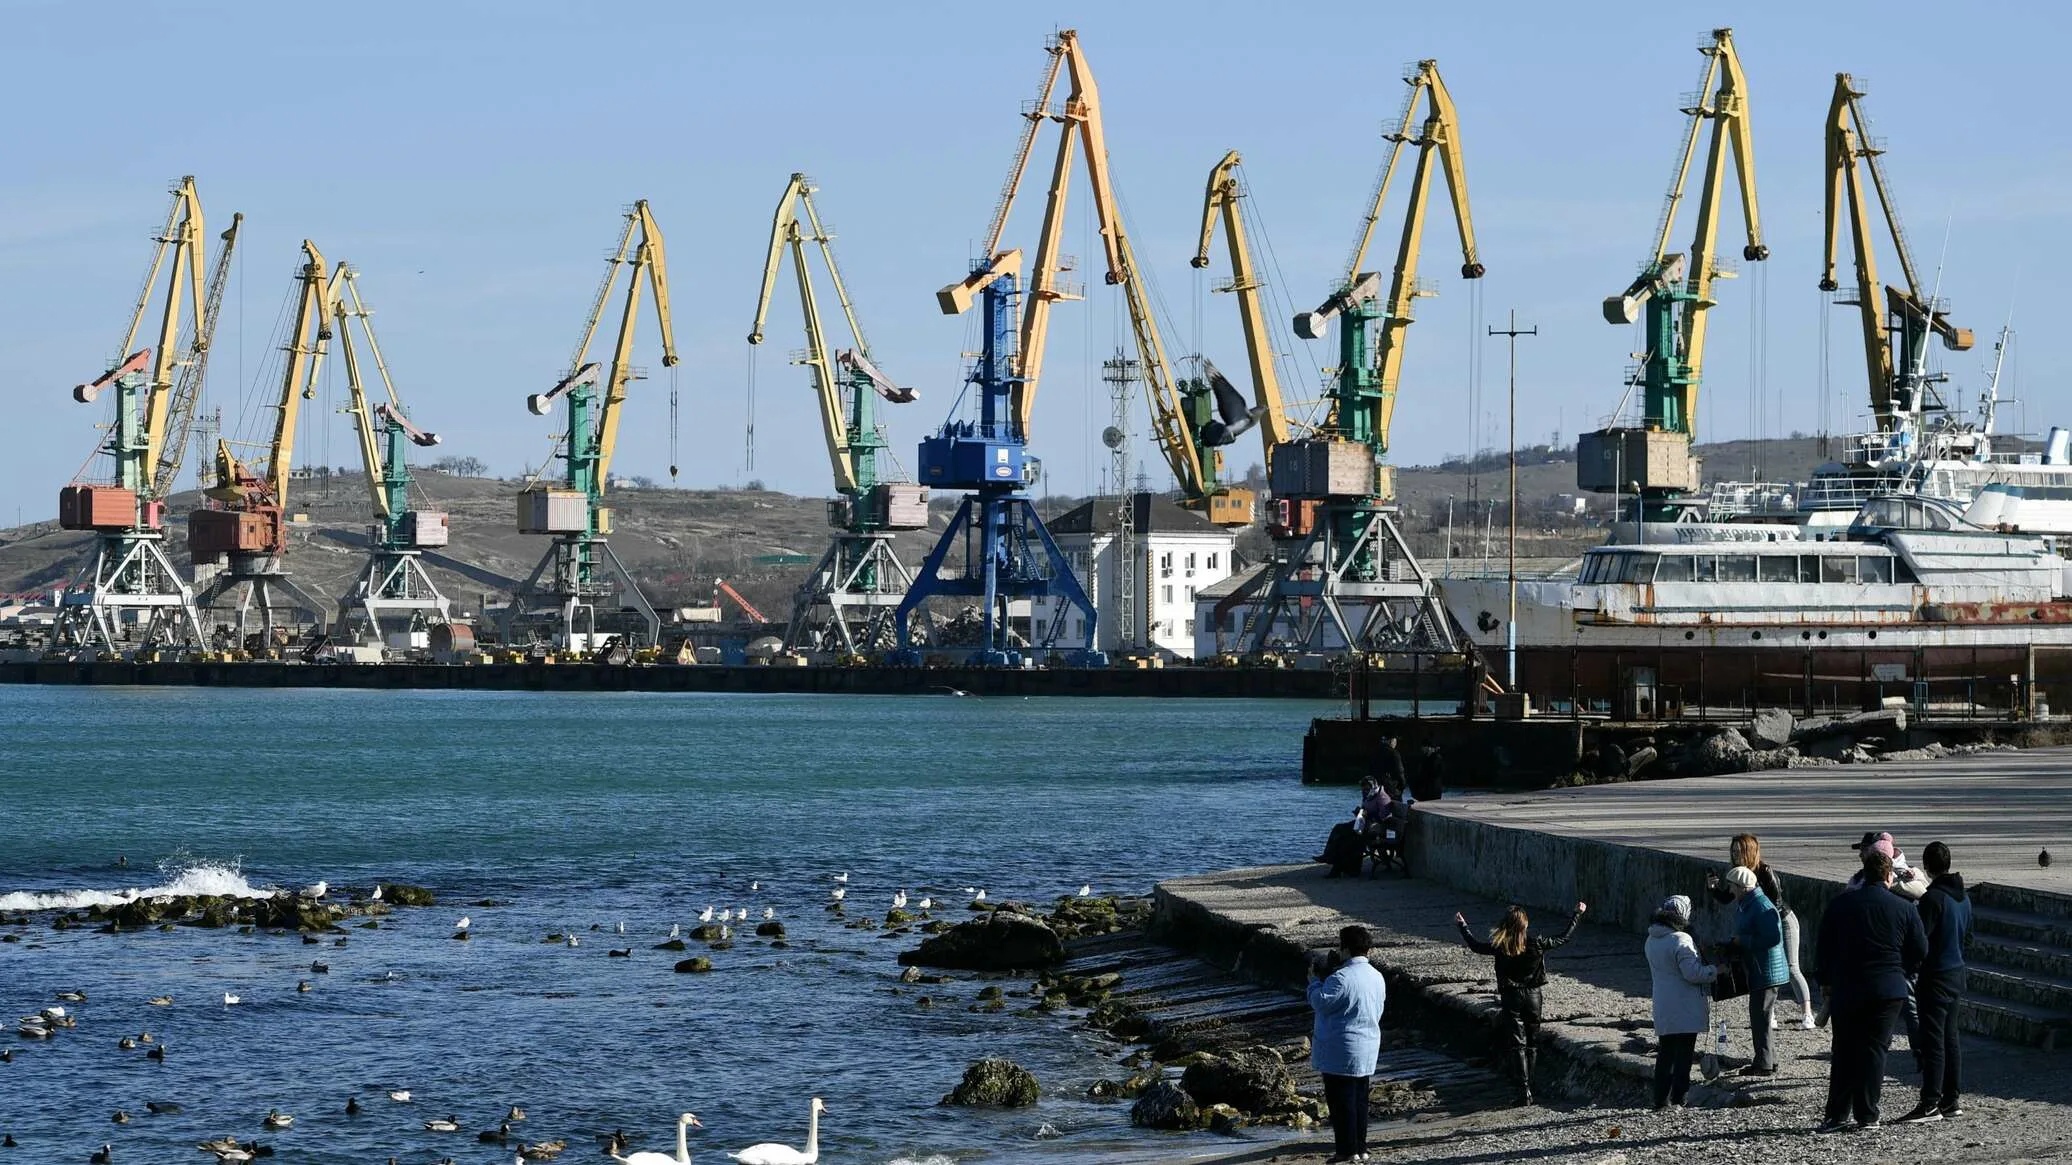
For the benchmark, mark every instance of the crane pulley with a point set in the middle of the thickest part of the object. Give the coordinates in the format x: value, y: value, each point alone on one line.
x: 1222, y: 201
x: 1897, y: 379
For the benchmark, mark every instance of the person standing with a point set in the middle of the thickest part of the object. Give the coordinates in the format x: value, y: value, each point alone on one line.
x: 1760, y: 932
x: 1345, y: 1041
x: 1521, y: 970
x: 1745, y: 850
x: 1946, y: 920
x: 1682, y: 1004
x: 1871, y: 943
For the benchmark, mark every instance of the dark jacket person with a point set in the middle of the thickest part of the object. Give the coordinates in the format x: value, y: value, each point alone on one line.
x: 1946, y: 918
x: 1871, y: 943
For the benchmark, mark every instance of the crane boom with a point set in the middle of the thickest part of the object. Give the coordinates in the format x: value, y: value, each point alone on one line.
x: 187, y: 391
x: 1896, y: 378
x: 1222, y: 201
x: 306, y: 336
x: 786, y: 233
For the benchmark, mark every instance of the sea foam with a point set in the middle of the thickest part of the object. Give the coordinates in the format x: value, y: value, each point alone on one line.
x: 182, y: 881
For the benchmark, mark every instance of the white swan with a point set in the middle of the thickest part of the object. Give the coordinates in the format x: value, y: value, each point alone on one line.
x: 772, y: 1153
x: 683, y: 1147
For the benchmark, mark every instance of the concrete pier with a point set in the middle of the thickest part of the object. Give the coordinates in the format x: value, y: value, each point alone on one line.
x: 1622, y: 848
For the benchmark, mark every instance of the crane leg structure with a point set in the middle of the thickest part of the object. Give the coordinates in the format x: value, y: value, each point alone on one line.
x: 267, y: 601
x: 849, y: 602
x: 1000, y: 546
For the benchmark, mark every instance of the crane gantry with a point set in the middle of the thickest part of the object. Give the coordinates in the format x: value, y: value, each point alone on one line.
x: 1342, y: 575
x: 558, y: 602
x: 394, y: 603
x: 130, y: 597
x: 1006, y: 551
x: 846, y: 603
x: 245, y: 531
x: 1896, y: 320
x: 1674, y: 295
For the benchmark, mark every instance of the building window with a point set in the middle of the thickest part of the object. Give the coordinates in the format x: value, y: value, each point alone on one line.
x: 1165, y: 561
x: 1165, y: 593
x: 1212, y: 561
x: 1190, y: 628
x: 1190, y: 594
x: 1190, y: 560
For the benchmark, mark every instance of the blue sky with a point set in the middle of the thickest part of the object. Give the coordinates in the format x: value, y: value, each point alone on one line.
x: 473, y: 159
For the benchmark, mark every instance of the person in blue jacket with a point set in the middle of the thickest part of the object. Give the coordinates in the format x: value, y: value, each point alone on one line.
x: 1946, y: 918
x: 1346, y: 1040
x: 1760, y: 931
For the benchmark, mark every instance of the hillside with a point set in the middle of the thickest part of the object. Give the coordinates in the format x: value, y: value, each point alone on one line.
x: 677, y: 541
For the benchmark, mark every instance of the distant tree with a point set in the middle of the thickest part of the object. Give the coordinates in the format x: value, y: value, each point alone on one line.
x: 753, y: 484
x: 461, y: 466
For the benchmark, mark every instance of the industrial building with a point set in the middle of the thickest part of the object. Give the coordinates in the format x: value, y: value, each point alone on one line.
x: 1177, y: 553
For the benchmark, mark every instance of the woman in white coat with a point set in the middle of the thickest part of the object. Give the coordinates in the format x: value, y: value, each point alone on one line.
x: 1682, y: 1002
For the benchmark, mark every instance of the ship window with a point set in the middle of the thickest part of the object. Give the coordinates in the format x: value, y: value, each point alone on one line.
x: 1705, y: 568
x: 1836, y: 568
x: 1809, y: 568
x: 1737, y: 568
x: 1876, y: 568
x: 1593, y: 568
x: 1674, y: 568
x: 1777, y: 568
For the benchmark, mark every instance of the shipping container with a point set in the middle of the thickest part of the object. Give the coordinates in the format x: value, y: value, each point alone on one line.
x: 214, y: 532
x: 1232, y: 507
x: 1615, y: 460
x: 97, y: 507
x: 424, y: 528
x: 553, y: 511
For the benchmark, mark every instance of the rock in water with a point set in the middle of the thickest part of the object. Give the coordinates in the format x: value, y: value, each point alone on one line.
x: 403, y: 894
x: 1771, y: 728
x: 995, y: 1084
x: 1000, y: 941
x: 1251, y: 1080
x: 696, y: 963
x: 770, y: 929
x: 1165, y: 1105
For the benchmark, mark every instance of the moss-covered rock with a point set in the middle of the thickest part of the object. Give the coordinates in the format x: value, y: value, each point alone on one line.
x: 404, y: 894
x: 674, y: 944
x: 695, y: 965
x: 999, y: 941
x: 995, y: 1084
x: 1251, y: 1080
x: 1165, y: 1105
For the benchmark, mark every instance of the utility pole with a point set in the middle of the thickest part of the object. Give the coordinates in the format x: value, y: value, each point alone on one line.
x: 1511, y: 334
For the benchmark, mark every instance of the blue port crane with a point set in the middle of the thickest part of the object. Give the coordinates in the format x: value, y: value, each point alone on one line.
x: 1000, y: 547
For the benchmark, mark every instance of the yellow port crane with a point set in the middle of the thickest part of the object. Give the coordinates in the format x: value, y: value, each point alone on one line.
x: 1675, y: 294
x: 394, y: 604
x: 1179, y: 414
x: 1222, y: 202
x: 245, y: 531
x: 130, y: 598
x: 1891, y: 316
x: 845, y: 605
x: 1343, y: 577
x: 186, y: 398
x: 557, y: 603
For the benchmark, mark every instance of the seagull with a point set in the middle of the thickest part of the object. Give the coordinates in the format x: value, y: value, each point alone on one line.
x: 927, y: 903
x: 376, y: 896
x: 843, y: 877
x: 675, y: 930
x: 769, y: 912
x: 229, y: 999
x: 572, y: 939
x: 463, y: 924
x: 755, y: 887
x: 316, y: 891
x: 899, y: 900
x: 838, y: 893
x: 952, y: 691
x: 622, y: 926
x: 979, y: 897
x: 704, y: 915
x: 741, y: 914
x: 400, y: 1096
x: 725, y: 932
x: 1086, y: 891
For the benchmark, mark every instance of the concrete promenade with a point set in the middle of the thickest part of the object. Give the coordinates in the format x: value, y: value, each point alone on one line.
x: 1622, y: 848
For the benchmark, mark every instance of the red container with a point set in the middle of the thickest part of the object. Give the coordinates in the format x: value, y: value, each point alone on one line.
x: 214, y: 532
x: 97, y: 507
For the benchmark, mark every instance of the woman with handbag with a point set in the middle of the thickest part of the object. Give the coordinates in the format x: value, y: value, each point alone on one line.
x: 1521, y: 970
x: 1680, y: 1005
x: 1760, y: 932
x: 1745, y: 850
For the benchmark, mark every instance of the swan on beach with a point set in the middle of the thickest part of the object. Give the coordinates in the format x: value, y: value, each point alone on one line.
x: 317, y: 890
x: 683, y: 1148
x: 704, y: 915
x: 772, y: 1153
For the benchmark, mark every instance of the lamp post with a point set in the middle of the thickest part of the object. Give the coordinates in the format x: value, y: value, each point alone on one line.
x: 1511, y: 334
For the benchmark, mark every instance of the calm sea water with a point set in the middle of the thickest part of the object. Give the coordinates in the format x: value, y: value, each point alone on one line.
x: 574, y: 812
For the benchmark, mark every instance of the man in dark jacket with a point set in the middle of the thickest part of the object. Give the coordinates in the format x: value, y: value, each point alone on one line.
x: 1946, y: 918
x: 1871, y: 944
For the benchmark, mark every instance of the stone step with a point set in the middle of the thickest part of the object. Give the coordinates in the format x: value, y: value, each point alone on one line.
x: 2024, y: 899
x: 2030, y: 988
x: 2022, y: 926
x: 2014, y: 1023
x: 2019, y: 957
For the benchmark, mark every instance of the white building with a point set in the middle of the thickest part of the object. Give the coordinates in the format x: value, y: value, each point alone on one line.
x: 1178, y: 553
x: 1223, y: 610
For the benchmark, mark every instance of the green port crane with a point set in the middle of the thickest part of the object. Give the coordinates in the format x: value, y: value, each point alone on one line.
x: 558, y: 603
x: 1343, y: 577
x: 394, y: 603
x: 1674, y: 296
x: 846, y: 604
